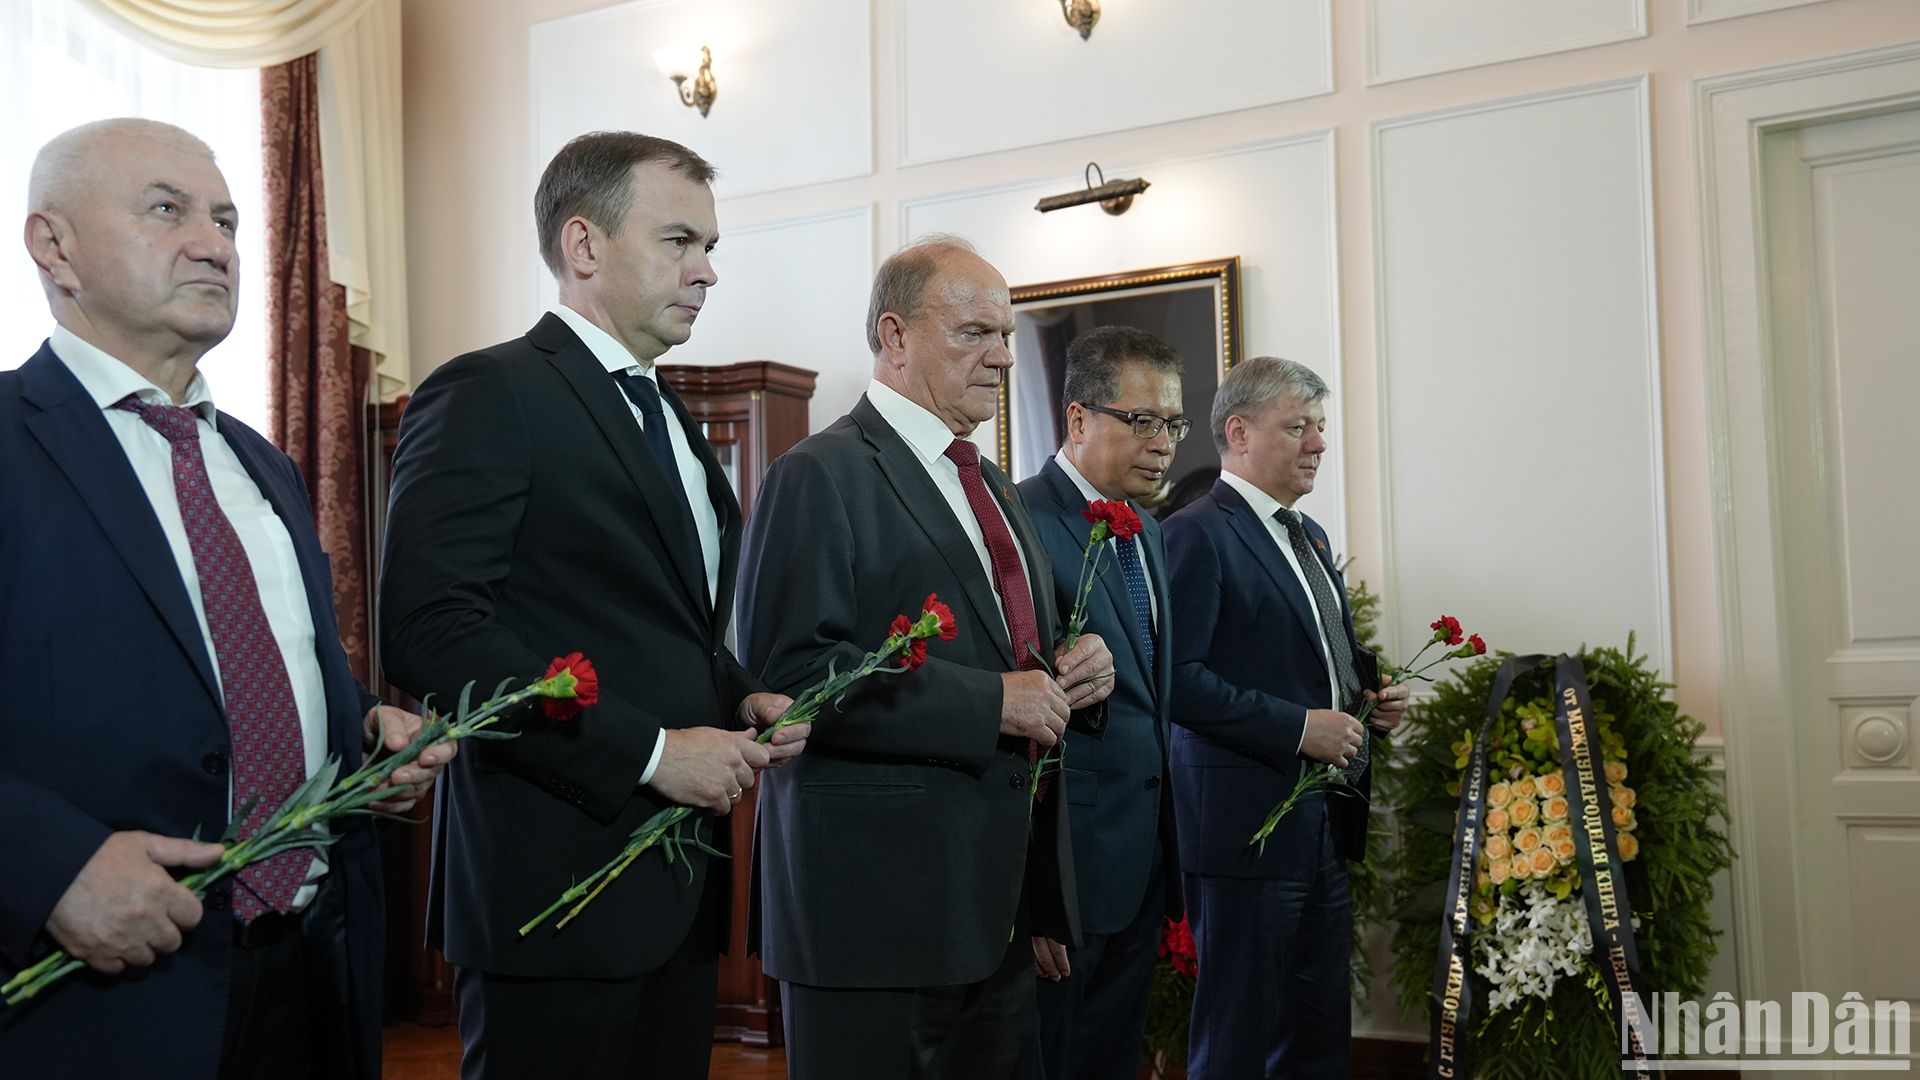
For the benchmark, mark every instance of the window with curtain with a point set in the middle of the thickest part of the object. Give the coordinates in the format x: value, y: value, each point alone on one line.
x: 60, y: 66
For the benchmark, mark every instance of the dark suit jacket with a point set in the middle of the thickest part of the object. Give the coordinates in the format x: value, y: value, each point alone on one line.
x: 1246, y: 668
x: 1116, y: 778
x: 892, y: 853
x: 530, y: 519
x: 114, y: 721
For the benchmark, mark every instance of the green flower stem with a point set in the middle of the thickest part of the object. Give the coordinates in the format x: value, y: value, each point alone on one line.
x: 1331, y: 776
x: 662, y: 830
x: 294, y: 824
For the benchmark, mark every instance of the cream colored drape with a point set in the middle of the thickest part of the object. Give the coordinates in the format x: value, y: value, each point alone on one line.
x: 360, y: 139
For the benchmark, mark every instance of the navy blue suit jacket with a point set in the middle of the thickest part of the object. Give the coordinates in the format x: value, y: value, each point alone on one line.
x: 113, y: 721
x: 1247, y: 666
x: 1117, y: 776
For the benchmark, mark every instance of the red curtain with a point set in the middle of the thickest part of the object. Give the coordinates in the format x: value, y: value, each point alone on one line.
x: 317, y: 386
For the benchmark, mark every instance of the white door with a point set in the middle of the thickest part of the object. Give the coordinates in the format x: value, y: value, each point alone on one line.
x: 1841, y: 280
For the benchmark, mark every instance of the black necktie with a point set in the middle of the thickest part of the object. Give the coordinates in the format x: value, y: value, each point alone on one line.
x: 1332, y: 625
x: 646, y: 397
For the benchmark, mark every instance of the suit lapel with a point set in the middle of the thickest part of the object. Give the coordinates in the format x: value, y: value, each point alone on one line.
x: 1265, y: 551
x: 602, y: 399
x: 726, y: 507
x: 1069, y: 504
x: 929, y: 509
x: 78, y: 439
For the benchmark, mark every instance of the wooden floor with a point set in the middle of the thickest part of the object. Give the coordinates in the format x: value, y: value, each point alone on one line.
x: 422, y: 1053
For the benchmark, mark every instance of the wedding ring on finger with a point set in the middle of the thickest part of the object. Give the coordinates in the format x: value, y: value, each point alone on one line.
x: 733, y: 796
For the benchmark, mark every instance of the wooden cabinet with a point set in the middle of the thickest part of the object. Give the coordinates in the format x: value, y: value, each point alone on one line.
x: 751, y: 413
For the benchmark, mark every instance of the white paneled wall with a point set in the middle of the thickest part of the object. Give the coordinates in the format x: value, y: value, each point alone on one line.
x: 1408, y: 38
x: 1518, y: 360
x: 794, y: 85
x: 794, y: 291
x: 1700, y: 11
x: 988, y: 75
x: 1270, y: 203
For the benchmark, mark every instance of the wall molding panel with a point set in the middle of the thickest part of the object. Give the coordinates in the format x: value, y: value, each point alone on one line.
x: 1289, y: 298
x: 1705, y: 11
x: 1517, y: 342
x: 1244, y: 53
x: 795, y: 86
x: 815, y: 316
x: 1410, y: 38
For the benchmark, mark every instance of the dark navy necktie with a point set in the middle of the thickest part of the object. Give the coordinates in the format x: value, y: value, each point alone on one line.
x: 646, y: 397
x: 1136, y: 578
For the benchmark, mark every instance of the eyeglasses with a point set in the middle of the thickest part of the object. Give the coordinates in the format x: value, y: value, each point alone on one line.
x: 1145, y: 424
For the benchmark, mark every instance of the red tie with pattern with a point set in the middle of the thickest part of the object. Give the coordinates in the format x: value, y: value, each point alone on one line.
x: 269, y: 753
x: 1009, y: 580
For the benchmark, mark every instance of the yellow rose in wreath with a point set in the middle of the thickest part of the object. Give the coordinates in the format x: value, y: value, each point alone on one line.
x: 1622, y: 796
x: 1526, y: 840
x: 1523, y: 788
x: 1554, y: 808
x: 1616, y: 772
x: 1496, y: 821
x: 1551, y: 784
x: 1523, y: 811
x: 1629, y: 846
x: 1498, y: 794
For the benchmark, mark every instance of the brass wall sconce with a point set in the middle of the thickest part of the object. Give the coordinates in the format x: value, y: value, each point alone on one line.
x: 1081, y: 15
x: 1114, y: 196
x: 678, y: 65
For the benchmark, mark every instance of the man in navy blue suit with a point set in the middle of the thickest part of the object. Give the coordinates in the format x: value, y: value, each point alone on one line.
x: 169, y: 652
x: 1123, y: 419
x: 1267, y: 676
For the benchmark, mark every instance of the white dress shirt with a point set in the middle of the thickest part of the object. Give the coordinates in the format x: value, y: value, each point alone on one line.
x: 693, y: 475
x: 1264, y: 505
x: 1092, y: 493
x: 263, y: 536
x: 929, y: 438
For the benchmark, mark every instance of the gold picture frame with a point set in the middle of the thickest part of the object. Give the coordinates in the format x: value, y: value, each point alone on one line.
x: 1185, y: 304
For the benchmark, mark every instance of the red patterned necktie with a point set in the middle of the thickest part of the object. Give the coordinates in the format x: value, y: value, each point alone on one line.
x: 269, y: 753
x: 1009, y: 580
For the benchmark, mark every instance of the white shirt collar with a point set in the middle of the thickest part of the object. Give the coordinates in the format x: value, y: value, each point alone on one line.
x: 604, y: 346
x: 1262, y: 503
x: 108, y: 380
x: 925, y: 432
x: 1066, y: 466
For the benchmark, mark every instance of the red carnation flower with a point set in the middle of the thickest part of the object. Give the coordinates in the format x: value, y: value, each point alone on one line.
x: 1447, y: 629
x: 1479, y: 647
x: 902, y: 626
x: 586, y: 687
x: 948, y: 629
x: 915, y: 655
x: 1118, y: 516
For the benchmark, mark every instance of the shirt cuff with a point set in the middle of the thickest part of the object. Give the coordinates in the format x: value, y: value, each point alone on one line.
x: 659, y: 747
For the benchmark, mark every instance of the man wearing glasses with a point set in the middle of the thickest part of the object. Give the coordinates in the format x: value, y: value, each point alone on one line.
x: 1123, y: 420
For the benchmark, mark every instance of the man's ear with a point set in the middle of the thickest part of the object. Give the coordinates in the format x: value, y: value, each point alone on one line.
x: 580, y: 247
x: 50, y: 243
x: 1077, y: 420
x: 892, y: 332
